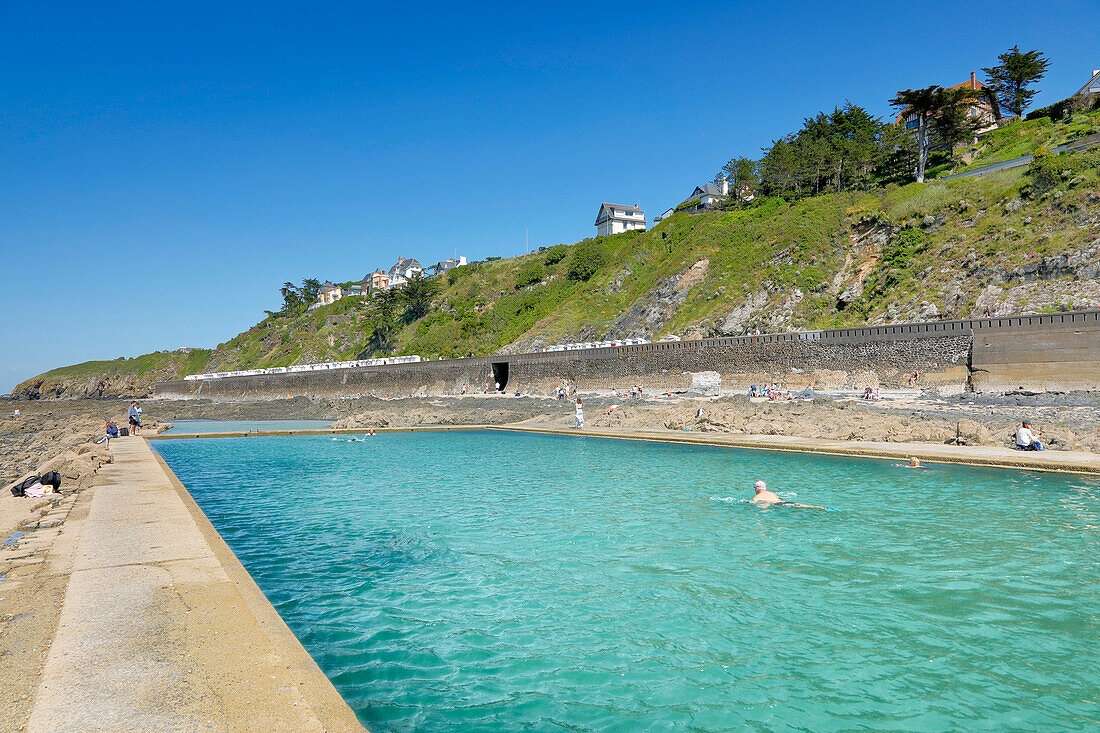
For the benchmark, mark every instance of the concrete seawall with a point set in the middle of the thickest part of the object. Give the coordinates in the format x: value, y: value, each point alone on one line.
x: 1047, y: 351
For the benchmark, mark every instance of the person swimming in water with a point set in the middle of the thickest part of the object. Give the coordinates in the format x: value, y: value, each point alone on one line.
x: 765, y: 498
x: 914, y: 462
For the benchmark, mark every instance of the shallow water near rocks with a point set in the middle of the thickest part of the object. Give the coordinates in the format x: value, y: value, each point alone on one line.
x: 504, y: 581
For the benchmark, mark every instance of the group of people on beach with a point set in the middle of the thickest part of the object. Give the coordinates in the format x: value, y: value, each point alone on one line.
x: 133, y: 421
x: 772, y: 391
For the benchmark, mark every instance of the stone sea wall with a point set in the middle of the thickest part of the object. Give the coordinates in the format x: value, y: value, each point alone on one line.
x: 1059, y: 351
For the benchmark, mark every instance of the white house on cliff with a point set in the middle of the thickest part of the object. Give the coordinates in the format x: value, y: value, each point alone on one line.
x: 617, y: 218
x: 404, y: 269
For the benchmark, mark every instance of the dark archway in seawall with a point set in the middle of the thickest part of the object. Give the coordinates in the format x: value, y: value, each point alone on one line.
x: 500, y: 374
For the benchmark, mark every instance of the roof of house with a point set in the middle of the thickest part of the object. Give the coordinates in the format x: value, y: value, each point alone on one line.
x: 707, y: 189
x: 1093, y: 85
x: 404, y: 264
x: 610, y: 210
x: 327, y: 287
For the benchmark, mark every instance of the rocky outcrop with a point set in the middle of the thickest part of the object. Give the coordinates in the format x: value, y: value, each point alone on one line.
x: 652, y: 312
x: 99, y: 386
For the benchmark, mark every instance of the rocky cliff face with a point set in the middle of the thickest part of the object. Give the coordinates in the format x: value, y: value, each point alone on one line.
x: 97, y: 386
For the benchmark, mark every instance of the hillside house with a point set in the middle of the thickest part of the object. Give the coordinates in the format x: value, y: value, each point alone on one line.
x: 985, y: 108
x: 1092, y: 87
x: 449, y: 264
x: 375, y: 282
x: 658, y: 219
x: 402, y: 270
x: 618, y: 218
x: 708, y: 195
x: 329, y: 294
x: 355, y: 290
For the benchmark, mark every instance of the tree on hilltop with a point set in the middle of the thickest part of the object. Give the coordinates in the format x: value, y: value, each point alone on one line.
x: 942, y: 114
x: 296, y: 299
x: 834, y: 151
x: 418, y: 294
x: 953, y: 124
x: 742, y: 177
x: 924, y: 103
x: 382, y: 316
x: 311, y: 287
x: 1010, y: 80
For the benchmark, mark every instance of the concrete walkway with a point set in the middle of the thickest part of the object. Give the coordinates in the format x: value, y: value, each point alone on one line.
x: 979, y: 455
x: 162, y: 629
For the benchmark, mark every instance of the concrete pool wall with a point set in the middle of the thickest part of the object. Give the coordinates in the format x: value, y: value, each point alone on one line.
x: 162, y: 628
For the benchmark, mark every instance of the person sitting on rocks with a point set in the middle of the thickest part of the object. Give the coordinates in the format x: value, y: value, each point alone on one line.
x: 1026, y: 439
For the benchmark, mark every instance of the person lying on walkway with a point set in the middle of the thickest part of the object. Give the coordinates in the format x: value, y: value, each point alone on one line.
x: 765, y: 498
x: 1026, y: 439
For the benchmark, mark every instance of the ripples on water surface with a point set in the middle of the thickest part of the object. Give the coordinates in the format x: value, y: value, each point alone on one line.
x: 492, y: 581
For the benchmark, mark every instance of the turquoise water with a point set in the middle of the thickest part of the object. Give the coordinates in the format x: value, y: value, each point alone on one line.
x: 494, y: 581
x: 226, y: 426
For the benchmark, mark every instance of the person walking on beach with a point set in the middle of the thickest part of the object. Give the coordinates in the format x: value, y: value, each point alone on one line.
x: 579, y: 424
x: 133, y: 417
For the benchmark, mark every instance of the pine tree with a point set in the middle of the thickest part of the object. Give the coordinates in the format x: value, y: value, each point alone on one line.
x: 1010, y: 80
x: 924, y: 103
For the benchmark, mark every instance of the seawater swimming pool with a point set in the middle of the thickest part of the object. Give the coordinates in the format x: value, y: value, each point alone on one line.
x: 504, y: 581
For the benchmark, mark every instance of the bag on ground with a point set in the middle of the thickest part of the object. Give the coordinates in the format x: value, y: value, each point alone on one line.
x: 51, y: 478
x: 124, y: 431
x: 20, y: 489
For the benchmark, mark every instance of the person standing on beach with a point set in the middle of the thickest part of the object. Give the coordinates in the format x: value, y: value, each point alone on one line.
x: 133, y: 417
x: 579, y: 424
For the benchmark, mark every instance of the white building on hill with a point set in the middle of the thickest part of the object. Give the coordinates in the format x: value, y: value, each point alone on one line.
x: 450, y: 263
x: 405, y: 268
x: 618, y: 218
x: 709, y: 194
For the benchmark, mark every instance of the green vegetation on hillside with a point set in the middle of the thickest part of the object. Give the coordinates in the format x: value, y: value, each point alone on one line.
x: 885, y: 254
x: 790, y: 258
x: 173, y: 364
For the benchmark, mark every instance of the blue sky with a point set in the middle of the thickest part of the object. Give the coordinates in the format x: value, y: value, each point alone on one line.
x: 164, y: 170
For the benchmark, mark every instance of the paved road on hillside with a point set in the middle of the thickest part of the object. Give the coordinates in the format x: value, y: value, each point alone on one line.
x: 1080, y: 144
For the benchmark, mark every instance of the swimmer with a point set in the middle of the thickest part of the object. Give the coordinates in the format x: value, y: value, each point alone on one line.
x: 765, y: 498
x: 372, y: 432
x: 914, y: 463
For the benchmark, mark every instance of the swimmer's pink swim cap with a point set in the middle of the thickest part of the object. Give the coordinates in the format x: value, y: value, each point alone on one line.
x: 760, y: 486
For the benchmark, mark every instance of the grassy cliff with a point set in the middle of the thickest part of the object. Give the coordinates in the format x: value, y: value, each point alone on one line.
x: 1026, y: 240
